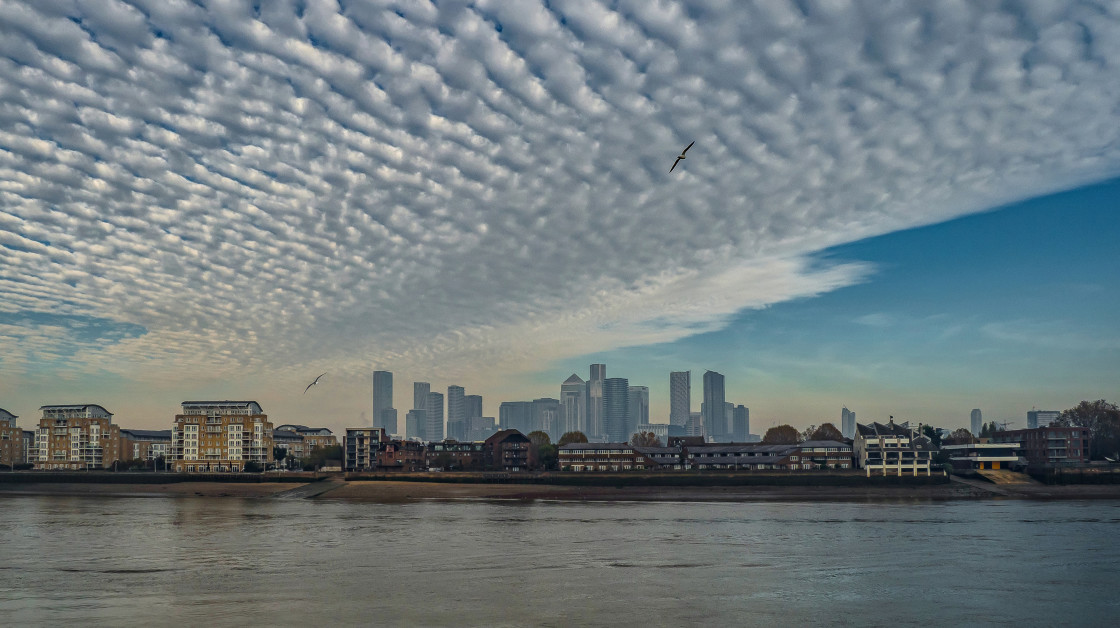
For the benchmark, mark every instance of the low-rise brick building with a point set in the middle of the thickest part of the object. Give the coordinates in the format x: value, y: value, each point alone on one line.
x: 1050, y: 445
x: 454, y: 455
x: 510, y: 450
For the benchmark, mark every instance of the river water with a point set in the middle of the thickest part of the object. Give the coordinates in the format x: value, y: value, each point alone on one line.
x: 249, y: 562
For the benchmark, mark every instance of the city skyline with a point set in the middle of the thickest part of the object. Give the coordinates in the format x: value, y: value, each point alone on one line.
x: 909, y: 211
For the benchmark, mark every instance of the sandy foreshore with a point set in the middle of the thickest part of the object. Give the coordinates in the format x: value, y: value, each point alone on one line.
x: 398, y: 492
x: 180, y: 489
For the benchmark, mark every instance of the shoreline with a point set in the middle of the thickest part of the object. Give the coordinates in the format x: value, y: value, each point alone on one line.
x: 390, y: 491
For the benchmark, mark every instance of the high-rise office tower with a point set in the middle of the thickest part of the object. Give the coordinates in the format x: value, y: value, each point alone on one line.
x: 474, y: 406
x: 715, y: 421
x: 456, y: 413
x: 416, y: 424
x: 1040, y: 418
x: 516, y: 415
x: 729, y: 416
x: 434, y: 408
x: 848, y: 423
x: 741, y: 424
x: 680, y: 397
x: 977, y: 422
x: 595, y: 401
x: 420, y: 392
x: 616, y: 409
x: 384, y: 415
x: 695, y: 425
x: 573, y: 404
x: 546, y: 416
x: 639, y: 406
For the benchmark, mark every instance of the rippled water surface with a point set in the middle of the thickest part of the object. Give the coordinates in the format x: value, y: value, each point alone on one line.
x: 235, y: 562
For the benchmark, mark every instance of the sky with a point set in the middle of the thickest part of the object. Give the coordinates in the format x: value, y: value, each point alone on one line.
x: 907, y: 208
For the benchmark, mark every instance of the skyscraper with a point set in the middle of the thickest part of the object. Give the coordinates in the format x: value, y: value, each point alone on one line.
x: 416, y: 423
x: 741, y: 424
x: 384, y: 415
x: 546, y: 416
x: 715, y: 421
x: 695, y: 425
x: 420, y: 392
x: 573, y: 404
x: 434, y: 422
x: 680, y: 397
x: 516, y: 415
x: 1040, y: 418
x: 848, y: 423
x: 639, y: 406
x: 595, y: 401
x: 616, y: 410
x: 474, y: 406
x: 977, y: 422
x: 456, y: 413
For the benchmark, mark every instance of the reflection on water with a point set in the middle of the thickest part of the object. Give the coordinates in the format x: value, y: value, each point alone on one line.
x: 235, y: 562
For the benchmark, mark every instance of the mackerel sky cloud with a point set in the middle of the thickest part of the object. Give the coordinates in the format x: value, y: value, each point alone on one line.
x: 228, y: 197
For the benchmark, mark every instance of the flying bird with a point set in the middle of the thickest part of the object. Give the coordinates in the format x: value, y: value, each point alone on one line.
x: 312, y: 384
x: 681, y: 156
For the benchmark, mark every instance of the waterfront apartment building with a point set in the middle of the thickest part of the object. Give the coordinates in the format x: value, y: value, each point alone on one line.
x: 607, y: 457
x: 384, y: 414
x: 299, y: 440
x: 1049, y: 446
x: 147, y: 445
x: 361, y: 446
x: 453, y: 455
x: 11, y: 441
x: 510, y: 450
x: 891, y: 449
x: 218, y: 436
x: 77, y: 437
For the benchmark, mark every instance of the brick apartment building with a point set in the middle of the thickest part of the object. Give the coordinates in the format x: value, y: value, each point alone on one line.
x: 1047, y: 446
x: 145, y: 445
x: 220, y: 436
x: 76, y: 437
x: 11, y: 440
x: 299, y: 440
x: 510, y: 450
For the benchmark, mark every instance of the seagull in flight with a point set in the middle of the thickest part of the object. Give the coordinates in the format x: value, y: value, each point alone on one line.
x: 313, y: 383
x: 681, y: 156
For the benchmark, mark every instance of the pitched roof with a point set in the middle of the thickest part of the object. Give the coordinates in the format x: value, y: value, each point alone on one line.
x: 881, y: 429
x: 574, y: 379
